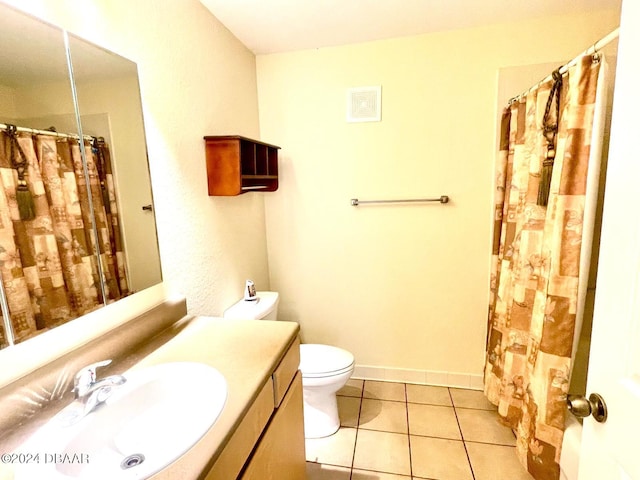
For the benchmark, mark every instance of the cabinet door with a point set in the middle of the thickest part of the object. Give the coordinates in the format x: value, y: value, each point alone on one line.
x: 233, y: 457
x: 280, y: 453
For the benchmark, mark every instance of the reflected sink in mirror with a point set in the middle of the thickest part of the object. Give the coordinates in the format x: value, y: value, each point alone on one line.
x: 151, y: 420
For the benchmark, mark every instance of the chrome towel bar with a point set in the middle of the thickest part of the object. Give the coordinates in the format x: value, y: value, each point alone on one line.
x: 442, y: 199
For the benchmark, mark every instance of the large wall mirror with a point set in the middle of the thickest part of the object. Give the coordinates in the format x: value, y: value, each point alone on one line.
x: 77, y: 227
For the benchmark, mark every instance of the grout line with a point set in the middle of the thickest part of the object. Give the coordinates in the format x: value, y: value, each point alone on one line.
x: 377, y: 399
x: 495, y: 410
x: 491, y: 443
x: 355, y: 443
x: 473, y: 475
x: 406, y: 410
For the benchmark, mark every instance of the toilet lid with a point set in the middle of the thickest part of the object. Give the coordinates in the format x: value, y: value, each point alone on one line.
x: 324, y: 360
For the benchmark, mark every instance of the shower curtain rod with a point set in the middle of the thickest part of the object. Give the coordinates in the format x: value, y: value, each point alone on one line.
x: 3, y: 126
x: 603, y: 42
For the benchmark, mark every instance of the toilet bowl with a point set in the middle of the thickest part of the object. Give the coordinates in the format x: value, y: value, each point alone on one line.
x: 325, y: 369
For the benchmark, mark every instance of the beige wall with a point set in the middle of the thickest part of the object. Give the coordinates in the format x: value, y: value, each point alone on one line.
x: 405, y: 286
x: 7, y: 102
x: 196, y: 79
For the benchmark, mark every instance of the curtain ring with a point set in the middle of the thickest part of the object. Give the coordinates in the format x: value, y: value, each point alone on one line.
x: 595, y: 56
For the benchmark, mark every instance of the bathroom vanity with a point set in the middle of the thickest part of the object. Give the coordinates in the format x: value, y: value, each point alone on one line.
x: 259, y: 432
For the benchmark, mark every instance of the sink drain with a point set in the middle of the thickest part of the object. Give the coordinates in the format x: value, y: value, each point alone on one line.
x: 132, y: 461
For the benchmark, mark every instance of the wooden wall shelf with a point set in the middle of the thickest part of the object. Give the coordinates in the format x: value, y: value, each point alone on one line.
x: 237, y: 165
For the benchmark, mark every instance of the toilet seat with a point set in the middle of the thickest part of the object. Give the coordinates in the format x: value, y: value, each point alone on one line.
x: 317, y: 361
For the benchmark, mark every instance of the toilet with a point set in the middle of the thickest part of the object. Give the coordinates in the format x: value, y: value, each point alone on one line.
x: 325, y: 369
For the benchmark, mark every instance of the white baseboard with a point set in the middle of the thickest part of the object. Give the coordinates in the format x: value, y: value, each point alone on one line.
x: 420, y: 377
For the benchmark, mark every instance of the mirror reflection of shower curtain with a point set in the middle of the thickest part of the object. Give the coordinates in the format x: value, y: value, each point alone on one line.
x: 48, y: 264
x: 536, y: 267
x: 103, y: 194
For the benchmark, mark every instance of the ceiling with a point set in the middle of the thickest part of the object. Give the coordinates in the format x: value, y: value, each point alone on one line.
x: 271, y: 26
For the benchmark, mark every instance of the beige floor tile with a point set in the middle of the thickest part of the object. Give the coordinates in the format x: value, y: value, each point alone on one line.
x: 439, y: 458
x: 353, y: 388
x: 384, y: 390
x: 483, y: 426
x: 471, y: 399
x: 369, y: 475
x: 317, y: 471
x: 336, y: 449
x: 495, y: 462
x: 382, y: 452
x: 433, y: 421
x: 349, y: 411
x: 428, y: 394
x: 383, y: 415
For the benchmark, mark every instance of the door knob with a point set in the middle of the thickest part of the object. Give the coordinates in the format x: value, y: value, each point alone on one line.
x: 583, y: 407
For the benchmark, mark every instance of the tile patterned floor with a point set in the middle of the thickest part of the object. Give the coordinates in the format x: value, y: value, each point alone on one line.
x: 397, y: 431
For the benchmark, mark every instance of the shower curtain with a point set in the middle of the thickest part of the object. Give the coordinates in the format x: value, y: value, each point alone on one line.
x: 48, y: 261
x: 535, y: 266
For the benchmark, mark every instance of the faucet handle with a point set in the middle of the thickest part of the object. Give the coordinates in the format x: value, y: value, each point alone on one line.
x: 87, y: 376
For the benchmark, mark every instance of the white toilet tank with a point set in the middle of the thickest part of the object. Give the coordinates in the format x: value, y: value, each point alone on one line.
x: 264, y: 308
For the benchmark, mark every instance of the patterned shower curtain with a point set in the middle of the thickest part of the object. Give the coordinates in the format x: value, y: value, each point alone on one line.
x: 535, y: 264
x: 48, y: 264
x: 102, y: 188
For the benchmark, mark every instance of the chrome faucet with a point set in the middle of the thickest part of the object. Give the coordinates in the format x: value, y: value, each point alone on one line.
x: 91, y: 392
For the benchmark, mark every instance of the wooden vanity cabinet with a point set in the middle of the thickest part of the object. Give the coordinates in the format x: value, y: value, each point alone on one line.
x: 280, y: 452
x: 269, y: 442
x: 237, y: 165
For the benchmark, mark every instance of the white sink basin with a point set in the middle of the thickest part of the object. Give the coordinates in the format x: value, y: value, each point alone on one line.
x: 147, y: 423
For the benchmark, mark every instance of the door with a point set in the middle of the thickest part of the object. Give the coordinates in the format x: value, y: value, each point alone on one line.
x: 610, y: 450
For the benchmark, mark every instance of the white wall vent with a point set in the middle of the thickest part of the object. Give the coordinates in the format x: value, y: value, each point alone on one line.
x: 363, y: 104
